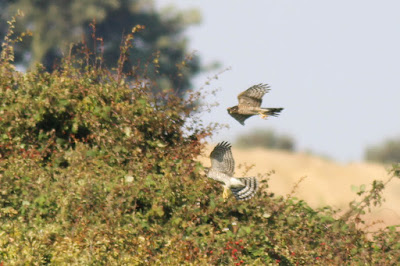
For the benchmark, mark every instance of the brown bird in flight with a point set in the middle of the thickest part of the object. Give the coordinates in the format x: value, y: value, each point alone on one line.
x: 250, y: 104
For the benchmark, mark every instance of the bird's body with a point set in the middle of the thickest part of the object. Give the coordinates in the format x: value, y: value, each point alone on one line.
x: 224, y: 179
x: 250, y: 104
x: 222, y: 170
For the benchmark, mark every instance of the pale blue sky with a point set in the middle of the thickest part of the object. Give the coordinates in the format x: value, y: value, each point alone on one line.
x: 334, y: 66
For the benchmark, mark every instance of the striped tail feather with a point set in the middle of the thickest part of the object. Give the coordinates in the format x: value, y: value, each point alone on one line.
x: 271, y: 111
x: 248, y: 190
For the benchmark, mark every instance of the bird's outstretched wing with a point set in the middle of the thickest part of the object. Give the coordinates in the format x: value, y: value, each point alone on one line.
x: 253, y: 95
x: 222, y: 159
x: 240, y: 118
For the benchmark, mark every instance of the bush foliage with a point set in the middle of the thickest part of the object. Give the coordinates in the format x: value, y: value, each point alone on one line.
x: 266, y: 139
x: 97, y: 170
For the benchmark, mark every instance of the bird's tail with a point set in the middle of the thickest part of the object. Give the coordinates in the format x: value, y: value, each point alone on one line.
x: 249, y: 189
x: 271, y: 111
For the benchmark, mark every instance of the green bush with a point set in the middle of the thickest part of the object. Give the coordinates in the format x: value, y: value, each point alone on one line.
x: 96, y: 170
x: 387, y: 152
x: 266, y: 139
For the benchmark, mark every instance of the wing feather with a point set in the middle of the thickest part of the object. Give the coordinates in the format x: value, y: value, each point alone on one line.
x: 253, y: 96
x: 240, y: 118
x: 222, y: 158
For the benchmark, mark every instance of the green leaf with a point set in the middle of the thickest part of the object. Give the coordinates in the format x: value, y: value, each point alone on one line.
x: 75, y: 127
x: 246, y: 229
x: 91, y: 153
x: 177, y: 221
x: 61, y: 141
x: 63, y: 102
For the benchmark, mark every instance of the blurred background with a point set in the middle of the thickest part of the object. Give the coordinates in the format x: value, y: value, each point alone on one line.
x: 333, y: 66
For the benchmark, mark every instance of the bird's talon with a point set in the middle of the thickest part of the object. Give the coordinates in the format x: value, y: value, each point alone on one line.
x: 225, y: 194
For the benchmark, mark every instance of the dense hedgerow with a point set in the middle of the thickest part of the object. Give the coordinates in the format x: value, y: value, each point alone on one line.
x: 95, y: 169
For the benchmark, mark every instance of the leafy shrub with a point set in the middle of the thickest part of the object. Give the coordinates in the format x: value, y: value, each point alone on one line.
x: 96, y: 170
x: 387, y: 152
x: 265, y: 138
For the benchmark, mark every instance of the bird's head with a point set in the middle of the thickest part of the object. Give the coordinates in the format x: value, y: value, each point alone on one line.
x: 233, y: 109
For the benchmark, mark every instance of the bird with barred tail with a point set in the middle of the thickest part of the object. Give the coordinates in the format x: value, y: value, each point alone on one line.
x: 250, y: 104
x: 222, y: 169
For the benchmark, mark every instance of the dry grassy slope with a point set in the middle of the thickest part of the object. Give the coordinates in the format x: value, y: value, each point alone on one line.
x: 327, y: 182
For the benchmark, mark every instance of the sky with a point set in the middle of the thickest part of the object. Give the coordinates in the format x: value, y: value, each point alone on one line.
x: 333, y: 65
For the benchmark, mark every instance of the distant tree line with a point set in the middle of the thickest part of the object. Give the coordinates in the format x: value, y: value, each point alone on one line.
x: 386, y: 152
x: 266, y: 138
